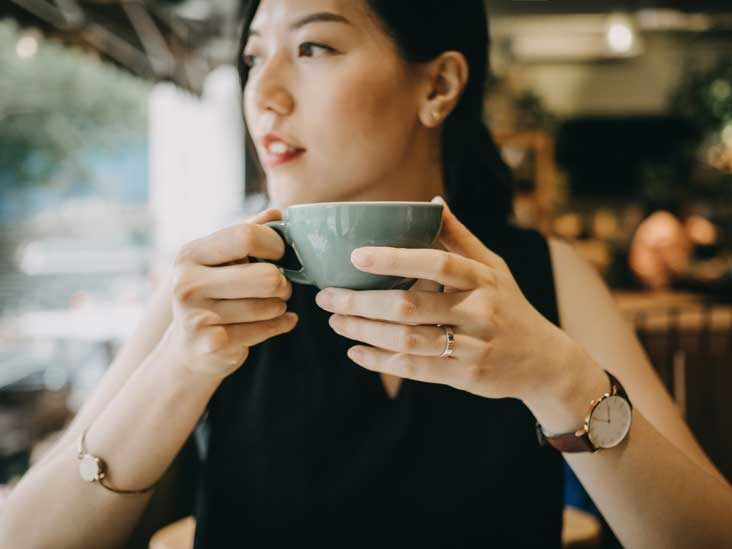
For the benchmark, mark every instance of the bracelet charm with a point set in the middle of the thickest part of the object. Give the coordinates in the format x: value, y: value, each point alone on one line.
x: 93, y: 469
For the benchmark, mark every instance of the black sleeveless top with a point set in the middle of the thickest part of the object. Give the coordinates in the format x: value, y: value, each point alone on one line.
x: 305, y: 448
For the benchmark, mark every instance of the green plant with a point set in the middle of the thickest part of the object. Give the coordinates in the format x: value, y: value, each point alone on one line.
x: 56, y: 103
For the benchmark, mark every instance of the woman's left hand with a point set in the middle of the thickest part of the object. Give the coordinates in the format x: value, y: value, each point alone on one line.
x: 503, y: 346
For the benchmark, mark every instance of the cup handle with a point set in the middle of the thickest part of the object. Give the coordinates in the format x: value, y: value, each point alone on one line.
x: 299, y: 277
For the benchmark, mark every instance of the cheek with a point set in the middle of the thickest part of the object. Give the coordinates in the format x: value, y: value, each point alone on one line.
x: 364, y: 118
x: 369, y: 111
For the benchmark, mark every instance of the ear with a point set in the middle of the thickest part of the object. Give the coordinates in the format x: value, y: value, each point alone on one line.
x: 446, y: 78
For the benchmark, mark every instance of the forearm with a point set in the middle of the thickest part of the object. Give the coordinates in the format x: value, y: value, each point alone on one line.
x: 138, y: 434
x: 651, y: 493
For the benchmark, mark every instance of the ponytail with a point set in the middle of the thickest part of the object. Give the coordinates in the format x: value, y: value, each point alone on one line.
x: 478, y: 182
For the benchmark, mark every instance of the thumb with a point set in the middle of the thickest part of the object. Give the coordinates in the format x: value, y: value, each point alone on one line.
x: 270, y: 214
x: 457, y: 238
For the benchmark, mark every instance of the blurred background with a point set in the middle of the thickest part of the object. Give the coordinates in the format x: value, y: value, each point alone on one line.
x: 121, y: 138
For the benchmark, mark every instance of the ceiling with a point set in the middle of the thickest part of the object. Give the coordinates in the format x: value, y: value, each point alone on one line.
x: 176, y: 40
x: 600, y: 6
x: 183, y: 40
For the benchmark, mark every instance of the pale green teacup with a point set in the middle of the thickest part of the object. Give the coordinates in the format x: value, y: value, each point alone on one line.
x: 323, y: 236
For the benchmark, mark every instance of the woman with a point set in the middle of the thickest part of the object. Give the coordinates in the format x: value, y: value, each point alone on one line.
x: 376, y: 100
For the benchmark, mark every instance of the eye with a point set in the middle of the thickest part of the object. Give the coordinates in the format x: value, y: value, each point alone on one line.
x: 249, y: 59
x: 306, y: 48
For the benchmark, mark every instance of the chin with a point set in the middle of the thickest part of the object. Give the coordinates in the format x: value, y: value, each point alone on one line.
x: 282, y: 197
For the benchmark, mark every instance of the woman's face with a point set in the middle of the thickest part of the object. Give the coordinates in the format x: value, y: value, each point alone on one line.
x: 336, y: 87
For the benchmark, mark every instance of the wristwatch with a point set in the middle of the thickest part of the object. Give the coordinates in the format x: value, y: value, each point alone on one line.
x: 607, y: 424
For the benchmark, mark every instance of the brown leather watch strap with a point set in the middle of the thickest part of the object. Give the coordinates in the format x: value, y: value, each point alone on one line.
x: 568, y: 442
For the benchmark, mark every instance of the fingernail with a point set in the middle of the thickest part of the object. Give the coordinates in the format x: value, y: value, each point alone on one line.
x: 292, y: 318
x: 439, y: 199
x: 361, y: 257
x: 354, y: 353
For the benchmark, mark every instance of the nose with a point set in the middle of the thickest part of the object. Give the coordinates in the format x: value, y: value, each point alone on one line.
x: 267, y: 88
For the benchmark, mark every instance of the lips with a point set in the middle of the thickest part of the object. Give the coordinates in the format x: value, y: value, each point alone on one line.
x: 276, y: 150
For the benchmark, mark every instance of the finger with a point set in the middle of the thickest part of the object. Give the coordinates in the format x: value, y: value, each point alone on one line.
x: 250, y: 280
x: 419, y: 368
x: 251, y: 333
x: 457, y: 238
x: 237, y: 311
x: 424, y: 285
x: 447, y: 268
x: 270, y: 214
x: 233, y: 243
x: 399, y: 306
x: 400, y: 338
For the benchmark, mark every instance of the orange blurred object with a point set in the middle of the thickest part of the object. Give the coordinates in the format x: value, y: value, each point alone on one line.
x: 660, y: 250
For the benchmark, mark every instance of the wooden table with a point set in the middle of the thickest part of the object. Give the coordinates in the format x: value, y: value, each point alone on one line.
x: 655, y: 311
x: 643, y: 301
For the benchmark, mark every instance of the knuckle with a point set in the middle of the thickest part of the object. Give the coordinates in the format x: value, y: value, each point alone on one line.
x: 229, y: 360
x: 278, y: 308
x: 245, y: 235
x: 410, y: 340
x: 347, y: 301
x: 487, y: 277
x: 486, y: 306
x: 214, y: 341
x: 199, y: 319
x: 485, y: 354
x: 444, y: 263
x: 407, y: 365
x: 185, y: 253
x: 475, y: 373
x: 235, y: 356
x: 406, y: 306
x: 500, y: 262
x: 272, y: 278
x: 184, y: 286
x: 280, y: 324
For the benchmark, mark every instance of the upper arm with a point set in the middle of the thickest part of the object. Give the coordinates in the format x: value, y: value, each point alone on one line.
x: 590, y: 316
x: 137, y: 347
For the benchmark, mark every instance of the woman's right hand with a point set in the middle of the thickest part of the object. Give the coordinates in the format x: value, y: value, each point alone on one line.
x: 222, y: 304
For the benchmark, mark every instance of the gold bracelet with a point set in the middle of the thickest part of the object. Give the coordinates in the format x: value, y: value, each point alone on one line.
x: 94, y: 469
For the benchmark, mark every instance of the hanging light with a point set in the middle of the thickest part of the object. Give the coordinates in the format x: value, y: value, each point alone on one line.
x: 621, y: 35
x: 27, y: 45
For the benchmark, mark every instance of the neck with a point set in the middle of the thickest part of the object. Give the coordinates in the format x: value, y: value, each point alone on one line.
x: 419, y: 178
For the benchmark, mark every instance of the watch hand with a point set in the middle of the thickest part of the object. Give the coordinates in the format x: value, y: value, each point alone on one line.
x: 601, y: 419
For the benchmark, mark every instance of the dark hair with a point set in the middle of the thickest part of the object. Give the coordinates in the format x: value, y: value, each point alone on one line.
x: 478, y: 182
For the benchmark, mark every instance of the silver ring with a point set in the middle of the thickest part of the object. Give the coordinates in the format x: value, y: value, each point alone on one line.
x: 450, y: 343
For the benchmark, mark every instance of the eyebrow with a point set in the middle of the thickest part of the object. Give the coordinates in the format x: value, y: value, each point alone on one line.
x: 320, y: 17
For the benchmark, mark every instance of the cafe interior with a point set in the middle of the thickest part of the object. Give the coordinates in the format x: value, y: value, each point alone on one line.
x: 615, y: 117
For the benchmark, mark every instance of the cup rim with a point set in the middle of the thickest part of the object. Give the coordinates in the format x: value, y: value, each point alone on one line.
x: 368, y: 202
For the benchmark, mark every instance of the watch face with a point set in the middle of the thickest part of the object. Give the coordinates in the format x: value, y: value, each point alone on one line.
x: 610, y: 422
x: 88, y: 468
